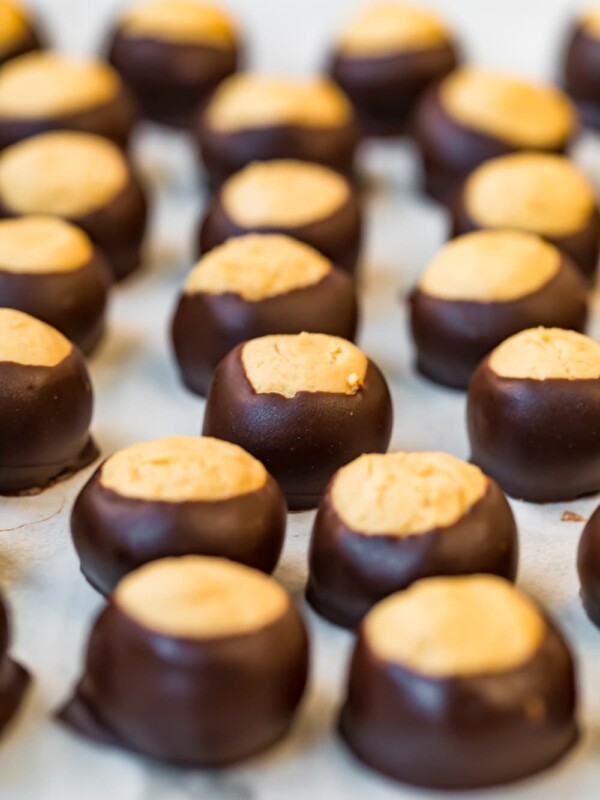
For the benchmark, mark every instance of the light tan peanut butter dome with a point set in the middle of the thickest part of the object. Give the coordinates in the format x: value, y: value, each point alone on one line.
x: 28, y: 341
x: 453, y: 627
x: 542, y: 353
x: 283, y: 193
x: 13, y: 23
x: 250, y: 100
x: 40, y: 245
x: 536, y: 192
x: 590, y: 21
x: 382, y: 28
x: 183, y: 468
x: 64, y: 173
x: 47, y: 84
x: 256, y: 267
x: 196, y: 597
x: 306, y: 362
x: 404, y: 494
x: 180, y: 22
x: 491, y: 266
x: 516, y: 111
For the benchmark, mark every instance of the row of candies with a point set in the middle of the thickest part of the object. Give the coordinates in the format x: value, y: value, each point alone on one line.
x: 274, y: 396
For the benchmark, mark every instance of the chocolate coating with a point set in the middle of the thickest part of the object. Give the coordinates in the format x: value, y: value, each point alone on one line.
x: 45, y: 413
x: 207, y: 326
x: 349, y: 572
x: 540, y: 439
x: 582, y: 247
x: 209, y: 702
x: 170, y: 80
x: 582, y: 74
x: 114, y: 534
x: 73, y: 302
x: 452, y: 336
x: 300, y: 440
x: 384, y: 89
x: 450, y: 151
x: 225, y: 152
x: 462, y: 732
x: 14, y: 679
x: 114, y: 119
x: 338, y: 236
x: 118, y: 227
x: 588, y: 567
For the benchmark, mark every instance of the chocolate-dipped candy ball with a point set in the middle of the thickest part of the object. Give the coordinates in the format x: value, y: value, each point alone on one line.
x: 252, y: 286
x: 253, y: 117
x: 387, y: 55
x: 474, y: 115
x: 304, y: 405
x: 51, y: 270
x: 581, y: 68
x: 588, y: 567
x: 45, y: 404
x: 533, y: 415
x: 174, y: 497
x: 482, y: 288
x: 537, y: 193
x: 82, y: 178
x: 460, y: 683
x: 18, y: 32
x: 389, y: 520
x: 306, y: 201
x: 196, y: 661
x: 45, y: 91
x: 172, y: 54
x: 14, y: 679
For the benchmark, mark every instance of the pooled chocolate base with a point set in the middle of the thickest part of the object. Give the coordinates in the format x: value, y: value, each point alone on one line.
x: 79, y: 716
x: 207, y: 702
x: 32, y: 479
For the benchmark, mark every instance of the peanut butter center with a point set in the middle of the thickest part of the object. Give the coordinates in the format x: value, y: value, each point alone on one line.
x: 183, y: 468
x: 197, y: 597
x: 306, y: 362
x: 452, y: 627
x: 256, y: 267
x: 404, y: 494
